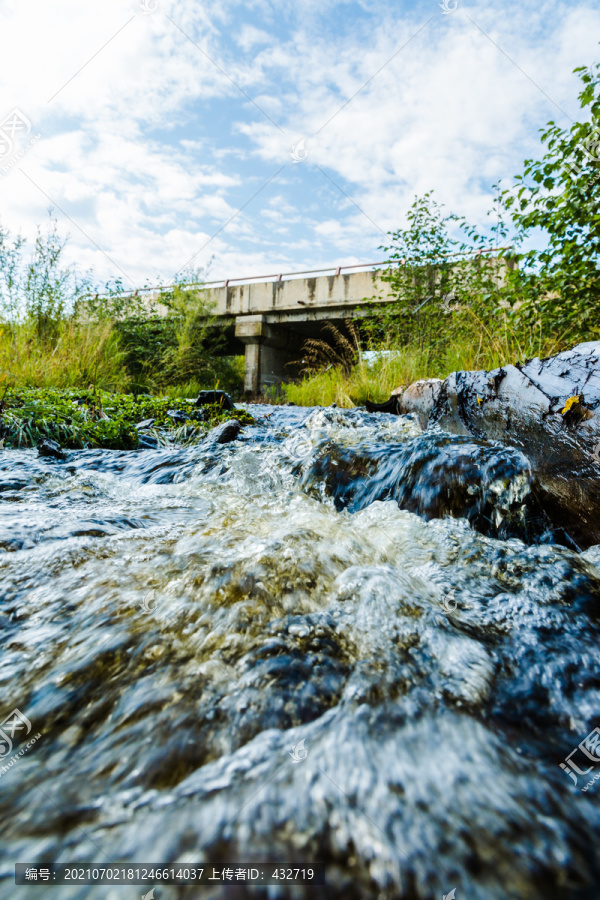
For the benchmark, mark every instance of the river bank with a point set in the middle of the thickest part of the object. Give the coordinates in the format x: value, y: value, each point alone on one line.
x: 84, y: 419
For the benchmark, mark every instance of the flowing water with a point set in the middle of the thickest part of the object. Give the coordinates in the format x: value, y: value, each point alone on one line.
x: 334, y: 640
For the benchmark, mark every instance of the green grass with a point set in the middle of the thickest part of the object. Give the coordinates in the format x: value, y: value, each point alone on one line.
x: 479, y: 345
x: 78, y: 419
x: 363, y: 382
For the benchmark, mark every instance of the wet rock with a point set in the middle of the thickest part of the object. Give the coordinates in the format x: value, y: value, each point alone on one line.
x: 208, y: 398
x: 419, y: 398
x: 51, y: 450
x: 389, y: 406
x: 550, y: 409
x: 435, y: 476
x: 148, y: 442
x: 146, y: 423
x: 224, y: 433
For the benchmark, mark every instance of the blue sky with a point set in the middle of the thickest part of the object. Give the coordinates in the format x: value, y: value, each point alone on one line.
x: 166, y: 129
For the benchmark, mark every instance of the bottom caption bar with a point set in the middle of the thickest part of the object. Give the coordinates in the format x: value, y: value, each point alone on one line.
x: 171, y: 873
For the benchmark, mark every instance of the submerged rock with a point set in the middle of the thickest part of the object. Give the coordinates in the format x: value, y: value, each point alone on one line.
x: 148, y: 442
x: 437, y: 476
x: 329, y: 417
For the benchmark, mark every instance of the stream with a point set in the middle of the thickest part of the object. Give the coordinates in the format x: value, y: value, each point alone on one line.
x: 334, y: 640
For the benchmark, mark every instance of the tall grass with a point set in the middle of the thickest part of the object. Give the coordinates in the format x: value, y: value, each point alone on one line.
x: 77, y: 355
x: 80, y: 353
x: 364, y: 381
x: 83, y: 353
x: 479, y: 344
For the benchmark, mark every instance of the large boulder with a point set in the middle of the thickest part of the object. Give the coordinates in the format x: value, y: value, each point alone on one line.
x: 548, y: 408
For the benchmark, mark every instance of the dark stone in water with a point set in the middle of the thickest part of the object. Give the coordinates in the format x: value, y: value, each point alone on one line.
x: 439, y: 475
x: 51, y: 450
x: 224, y: 433
x: 390, y: 406
x: 148, y: 442
x: 208, y: 398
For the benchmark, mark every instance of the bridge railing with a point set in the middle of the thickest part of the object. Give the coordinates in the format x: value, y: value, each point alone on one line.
x: 337, y: 270
x: 279, y: 276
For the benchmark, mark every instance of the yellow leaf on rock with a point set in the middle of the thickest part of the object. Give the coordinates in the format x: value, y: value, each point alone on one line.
x: 568, y: 404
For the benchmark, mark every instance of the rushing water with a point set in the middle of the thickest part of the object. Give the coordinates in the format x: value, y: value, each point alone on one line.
x: 392, y: 605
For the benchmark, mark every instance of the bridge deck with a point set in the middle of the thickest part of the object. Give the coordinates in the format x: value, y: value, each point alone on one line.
x: 298, y: 298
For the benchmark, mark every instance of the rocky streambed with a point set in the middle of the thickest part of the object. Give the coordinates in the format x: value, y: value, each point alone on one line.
x: 337, y: 639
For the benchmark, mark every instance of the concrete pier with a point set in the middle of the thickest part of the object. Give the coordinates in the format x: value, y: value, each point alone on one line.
x: 272, y: 352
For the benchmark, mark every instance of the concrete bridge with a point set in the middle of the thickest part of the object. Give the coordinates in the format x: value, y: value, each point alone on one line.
x: 269, y: 317
x: 273, y: 318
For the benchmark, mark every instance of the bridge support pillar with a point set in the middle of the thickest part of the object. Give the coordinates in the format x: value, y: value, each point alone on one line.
x: 271, y: 352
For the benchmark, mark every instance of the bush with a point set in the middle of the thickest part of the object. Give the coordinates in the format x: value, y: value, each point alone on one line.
x: 176, y: 347
x: 557, y: 289
x: 38, y: 292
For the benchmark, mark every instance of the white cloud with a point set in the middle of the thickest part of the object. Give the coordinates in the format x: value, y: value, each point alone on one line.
x: 250, y: 37
x: 450, y: 109
x: 151, y: 149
